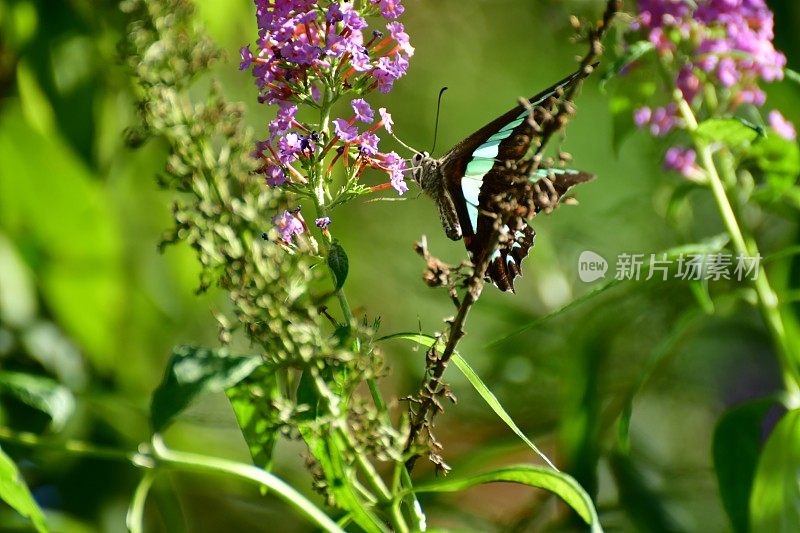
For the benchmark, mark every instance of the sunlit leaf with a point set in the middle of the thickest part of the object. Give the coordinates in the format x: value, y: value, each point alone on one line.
x: 737, y: 442
x: 730, y: 131
x: 15, y: 493
x: 192, y: 371
x: 775, y: 499
x: 18, y: 304
x: 559, y: 483
x: 44, y: 394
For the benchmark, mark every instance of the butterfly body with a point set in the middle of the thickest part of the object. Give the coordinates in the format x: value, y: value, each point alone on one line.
x: 465, y: 182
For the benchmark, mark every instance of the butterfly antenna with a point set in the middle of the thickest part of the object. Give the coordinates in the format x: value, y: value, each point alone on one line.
x: 438, y: 108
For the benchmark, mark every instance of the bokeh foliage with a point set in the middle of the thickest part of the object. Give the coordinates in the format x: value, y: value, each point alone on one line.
x: 89, y: 304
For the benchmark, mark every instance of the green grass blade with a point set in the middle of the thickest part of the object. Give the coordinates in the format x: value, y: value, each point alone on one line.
x: 479, y: 386
x: 559, y: 483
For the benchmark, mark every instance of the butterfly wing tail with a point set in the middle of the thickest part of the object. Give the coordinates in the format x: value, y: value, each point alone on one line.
x: 507, y: 259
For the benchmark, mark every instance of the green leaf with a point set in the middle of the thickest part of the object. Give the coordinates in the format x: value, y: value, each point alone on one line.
x: 559, y: 483
x: 737, y: 442
x: 732, y: 132
x: 774, y: 154
x: 15, y: 493
x: 193, y: 371
x: 44, y: 394
x: 327, y: 452
x: 246, y: 398
x: 775, y: 500
x: 338, y: 263
x: 18, y: 305
x: 479, y: 386
x: 72, y: 236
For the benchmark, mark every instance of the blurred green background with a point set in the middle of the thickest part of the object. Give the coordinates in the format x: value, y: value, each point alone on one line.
x: 86, y: 299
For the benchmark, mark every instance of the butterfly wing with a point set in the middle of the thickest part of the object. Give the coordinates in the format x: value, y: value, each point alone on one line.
x: 475, y: 170
x: 467, y: 167
x: 506, y: 259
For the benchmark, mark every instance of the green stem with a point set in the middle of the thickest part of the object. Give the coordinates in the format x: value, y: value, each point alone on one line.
x: 74, y: 447
x: 767, y: 299
x: 367, y: 470
x: 205, y: 464
x: 135, y: 517
x: 164, y: 457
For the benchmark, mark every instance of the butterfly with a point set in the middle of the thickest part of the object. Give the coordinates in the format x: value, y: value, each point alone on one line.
x: 466, y: 179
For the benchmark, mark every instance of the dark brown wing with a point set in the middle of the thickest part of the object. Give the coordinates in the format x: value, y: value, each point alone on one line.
x: 466, y: 168
x: 506, y: 262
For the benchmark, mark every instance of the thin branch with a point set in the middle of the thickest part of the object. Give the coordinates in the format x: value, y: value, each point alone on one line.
x: 552, y: 124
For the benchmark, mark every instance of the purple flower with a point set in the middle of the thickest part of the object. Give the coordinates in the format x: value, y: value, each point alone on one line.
x: 396, y: 165
x: 688, y: 83
x: 642, y: 116
x: 323, y: 222
x: 390, y: 9
x: 782, y: 127
x: 369, y: 143
x: 660, y: 40
x: 247, y: 58
x: 397, y: 32
x: 345, y: 14
x: 386, y: 119
x: 345, y: 131
x: 283, y: 120
x: 275, y: 176
x: 363, y: 111
x: 727, y: 73
x: 360, y: 61
x: 663, y: 120
x: 289, y: 145
x: 682, y: 160
x: 300, y: 52
x: 289, y: 224
x: 752, y: 95
x: 387, y: 72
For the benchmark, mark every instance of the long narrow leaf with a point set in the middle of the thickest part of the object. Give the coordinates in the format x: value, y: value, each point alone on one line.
x: 15, y: 493
x: 479, y: 386
x: 559, y: 483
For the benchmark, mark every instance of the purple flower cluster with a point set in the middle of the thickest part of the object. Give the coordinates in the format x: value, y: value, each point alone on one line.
x: 683, y: 160
x: 717, y: 51
x: 727, y: 43
x: 300, y: 40
x: 309, y: 53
